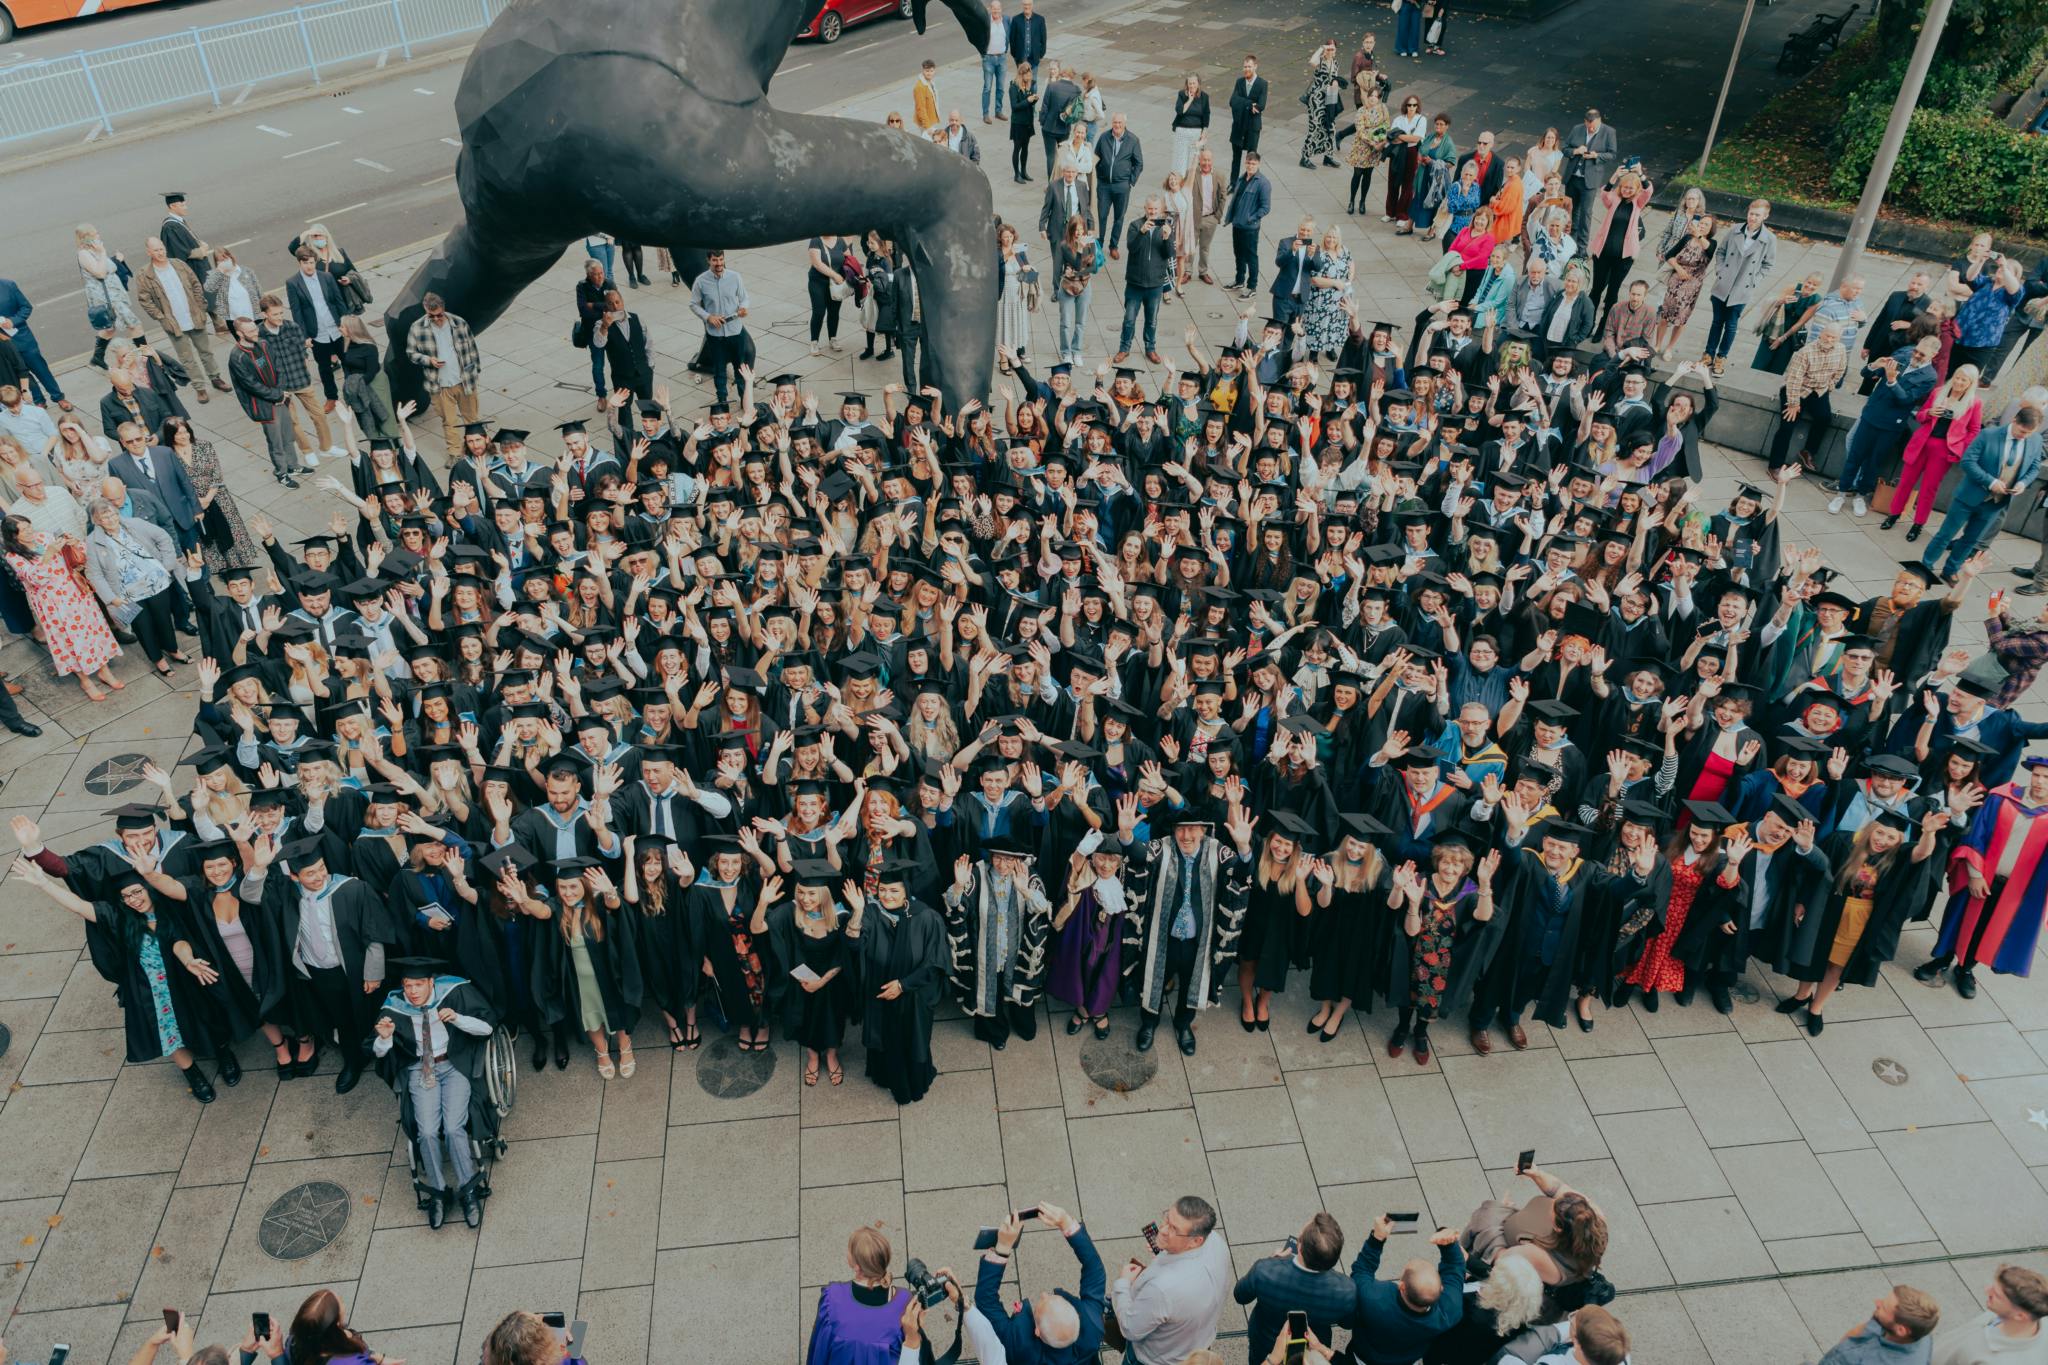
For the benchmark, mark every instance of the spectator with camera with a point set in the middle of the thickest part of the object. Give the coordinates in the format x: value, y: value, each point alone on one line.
x: 1302, y: 1276
x: 1168, y: 1309
x: 861, y: 1320
x: 1056, y: 1328
x: 1395, y: 1320
x: 523, y: 1338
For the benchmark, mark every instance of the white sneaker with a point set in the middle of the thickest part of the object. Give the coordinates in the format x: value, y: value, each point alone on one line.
x: 1862, y: 507
x: 336, y: 453
x: 814, y: 349
x: 312, y: 459
x: 1835, y: 503
x: 834, y: 344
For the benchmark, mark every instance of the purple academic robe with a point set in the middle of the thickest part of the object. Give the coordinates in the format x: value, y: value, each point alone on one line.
x: 1087, y: 959
x: 849, y: 1332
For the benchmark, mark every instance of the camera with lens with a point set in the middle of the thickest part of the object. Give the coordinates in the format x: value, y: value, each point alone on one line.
x: 930, y: 1288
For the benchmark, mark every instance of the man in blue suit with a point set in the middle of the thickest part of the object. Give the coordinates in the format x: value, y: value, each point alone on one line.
x: 1291, y: 287
x: 1904, y: 379
x: 142, y: 465
x: 1997, y: 468
x: 14, y: 311
x: 1249, y: 206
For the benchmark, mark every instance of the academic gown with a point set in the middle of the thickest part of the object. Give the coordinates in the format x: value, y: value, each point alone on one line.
x: 1621, y: 921
x: 2008, y: 942
x: 1548, y: 986
x: 897, y: 1034
x: 712, y: 929
x: 239, y: 1006
x: 127, y: 931
x: 467, y: 944
x: 813, y: 1018
x: 1351, y: 939
x: 671, y: 959
x: 613, y: 961
x: 1902, y: 890
x: 1793, y: 879
x: 361, y: 923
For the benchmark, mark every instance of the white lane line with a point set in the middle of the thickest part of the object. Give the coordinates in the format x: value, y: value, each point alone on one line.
x: 421, y: 90
x: 787, y: 70
x: 274, y: 132
x: 335, y: 213
x: 437, y: 180
x: 244, y: 242
x: 306, y: 151
x: 350, y: 109
x: 59, y: 298
x: 452, y: 141
x: 373, y: 165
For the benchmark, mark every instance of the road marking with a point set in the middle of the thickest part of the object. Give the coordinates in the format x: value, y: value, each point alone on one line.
x: 862, y: 48
x: 336, y: 213
x: 787, y: 70
x: 383, y: 59
x: 274, y: 132
x: 305, y: 151
x: 421, y: 90
x: 350, y: 109
x: 437, y: 180
x: 373, y: 165
x: 244, y: 242
x: 59, y: 298
x: 452, y: 141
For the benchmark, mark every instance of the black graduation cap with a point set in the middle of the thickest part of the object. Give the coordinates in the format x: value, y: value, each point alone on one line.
x: 1293, y: 825
x: 1925, y: 573
x: 173, y: 197
x: 1644, y: 814
x: 572, y: 867
x: 1187, y: 815
x: 1832, y: 598
x: 512, y: 858
x: 1648, y: 748
x: 860, y: 665
x: 1457, y: 836
x: 416, y: 968
x: 1362, y: 827
x: 303, y: 853
x: 897, y: 871
x: 816, y: 872
x: 210, y: 759
x: 1565, y: 831
x: 1556, y: 712
x: 135, y: 815
x: 1890, y: 765
x: 1788, y: 810
x: 1894, y: 819
x: 1711, y: 813
x: 1974, y: 750
x: 1419, y: 756
x: 269, y: 796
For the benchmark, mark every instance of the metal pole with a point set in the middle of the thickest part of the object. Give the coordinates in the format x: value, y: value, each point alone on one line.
x: 93, y: 88
x: 1874, y: 185
x: 205, y: 67
x: 1714, y: 125
x: 312, y: 65
x: 398, y: 18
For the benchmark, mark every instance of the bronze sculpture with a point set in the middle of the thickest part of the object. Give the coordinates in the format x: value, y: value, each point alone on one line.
x: 649, y: 119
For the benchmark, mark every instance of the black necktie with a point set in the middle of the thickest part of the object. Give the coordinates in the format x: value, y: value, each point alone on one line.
x: 426, y: 1053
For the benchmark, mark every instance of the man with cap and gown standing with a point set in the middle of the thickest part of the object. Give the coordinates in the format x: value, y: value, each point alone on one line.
x: 998, y: 922
x: 904, y: 960
x: 442, y: 912
x: 1911, y: 628
x: 1999, y: 885
x: 1188, y: 891
x: 566, y: 824
x: 338, y: 931
x: 181, y: 243
x: 434, y: 1027
x: 1772, y: 877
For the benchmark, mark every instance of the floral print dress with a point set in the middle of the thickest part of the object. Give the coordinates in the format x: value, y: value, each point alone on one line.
x: 1324, y: 326
x: 75, y: 630
x: 168, y: 1035
x: 1429, y: 953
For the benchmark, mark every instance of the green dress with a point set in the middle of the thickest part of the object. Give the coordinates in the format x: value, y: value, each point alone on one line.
x: 589, y: 995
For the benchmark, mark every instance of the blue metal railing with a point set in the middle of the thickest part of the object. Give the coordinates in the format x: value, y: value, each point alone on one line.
x: 221, y: 62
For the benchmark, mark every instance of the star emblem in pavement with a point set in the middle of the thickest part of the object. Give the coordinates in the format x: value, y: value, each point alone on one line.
x: 2039, y: 1118
x: 118, y: 774
x: 1889, y: 1071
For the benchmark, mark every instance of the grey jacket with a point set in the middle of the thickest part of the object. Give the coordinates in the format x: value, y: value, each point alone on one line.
x: 1742, y: 263
x: 216, y: 289
x: 103, y: 560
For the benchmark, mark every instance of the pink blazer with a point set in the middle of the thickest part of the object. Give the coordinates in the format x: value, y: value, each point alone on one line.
x: 1961, y: 432
x: 1474, y: 252
x: 1610, y: 202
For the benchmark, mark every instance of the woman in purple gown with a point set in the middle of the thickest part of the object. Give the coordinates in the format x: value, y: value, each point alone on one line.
x: 1088, y: 932
x: 860, y: 1321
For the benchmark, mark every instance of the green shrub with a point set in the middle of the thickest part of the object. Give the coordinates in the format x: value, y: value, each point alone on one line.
x: 1966, y: 167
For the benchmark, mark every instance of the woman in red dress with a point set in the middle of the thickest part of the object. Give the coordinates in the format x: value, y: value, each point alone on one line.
x: 75, y: 630
x: 1695, y: 855
x: 1720, y: 747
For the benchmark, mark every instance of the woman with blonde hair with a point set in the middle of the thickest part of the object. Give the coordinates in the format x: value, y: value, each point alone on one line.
x: 587, y: 976
x: 1623, y: 202
x: 931, y: 731
x: 1279, y: 902
x: 860, y: 1321
x: 107, y: 305
x: 80, y: 455
x: 1949, y: 419
x: 1544, y: 160
x: 1077, y: 151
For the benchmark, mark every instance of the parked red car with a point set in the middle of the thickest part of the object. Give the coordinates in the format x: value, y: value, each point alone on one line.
x: 834, y: 17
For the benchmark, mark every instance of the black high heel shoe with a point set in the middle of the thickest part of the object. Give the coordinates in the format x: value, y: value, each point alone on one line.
x: 540, y: 1052
x: 562, y: 1056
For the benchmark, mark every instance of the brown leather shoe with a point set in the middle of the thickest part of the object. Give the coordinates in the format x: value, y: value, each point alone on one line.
x: 1155, y: 357
x: 1207, y: 278
x: 1519, y: 1036
x: 1482, y: 1041
x: 1119, y: 358
x: 221, y: 384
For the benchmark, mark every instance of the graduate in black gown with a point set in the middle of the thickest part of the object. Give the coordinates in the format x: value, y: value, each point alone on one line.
x: 1354, y: 928
x: 338, y: 933
x: 1769, y: 875
x: 728, y: 908
x: 242, y: 944
x: 586, y: 973
x: 159, y: 979
x: 815, y: 967
x: 902, y: 978
x: 516, y: 924
x: 441, y: 911
x: 658, y: 877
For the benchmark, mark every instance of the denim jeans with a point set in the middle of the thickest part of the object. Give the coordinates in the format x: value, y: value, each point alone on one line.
x: 603, y: 255
x: 597, y: 375
x: 993, y: 77
x: 1962, y: 531
x: 1721, y: 332
x: 1870, y: 450
x: 1136, y: 297
x: 1408, y: 32
x: 1073, y: 321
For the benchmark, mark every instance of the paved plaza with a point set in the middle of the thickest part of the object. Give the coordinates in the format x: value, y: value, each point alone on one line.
x: 1761, y: 1187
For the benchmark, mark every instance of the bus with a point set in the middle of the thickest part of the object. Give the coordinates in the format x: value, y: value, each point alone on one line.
x: 16, y: 15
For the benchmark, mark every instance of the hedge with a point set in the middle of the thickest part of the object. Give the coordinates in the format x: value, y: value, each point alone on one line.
x: 1967, y: 167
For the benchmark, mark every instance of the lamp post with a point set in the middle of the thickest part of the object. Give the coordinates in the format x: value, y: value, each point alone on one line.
x: 1874, y: 185
x: 1714, y: 125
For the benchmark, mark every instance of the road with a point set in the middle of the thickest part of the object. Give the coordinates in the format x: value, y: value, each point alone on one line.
x: 373, y: 159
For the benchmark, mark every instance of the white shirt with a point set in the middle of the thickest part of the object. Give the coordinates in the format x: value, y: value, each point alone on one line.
x: 437, y: 1032
x: 1978, y: 1341
x: 998, y: 36
x: 174, y: 290
x: 325, y: 327
x: 240, y: 304
x: 444, y: 347
x: 319, y: 944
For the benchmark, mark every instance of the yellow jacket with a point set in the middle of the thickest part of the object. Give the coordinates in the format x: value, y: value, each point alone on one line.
x: 926, y: 113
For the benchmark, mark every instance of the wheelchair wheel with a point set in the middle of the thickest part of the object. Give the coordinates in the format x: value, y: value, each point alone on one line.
x: 501, y: 1071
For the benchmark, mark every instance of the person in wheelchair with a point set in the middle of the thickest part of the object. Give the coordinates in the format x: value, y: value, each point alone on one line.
x: 435, y: 1028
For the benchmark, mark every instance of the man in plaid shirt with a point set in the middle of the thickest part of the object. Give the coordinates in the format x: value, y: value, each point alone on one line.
x: 442, y: 345
x: 292, y: 353
x: 1811, y: 376
x: 253, y: 373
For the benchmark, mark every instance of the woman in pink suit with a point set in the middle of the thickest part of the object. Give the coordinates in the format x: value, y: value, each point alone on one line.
x: 1949, y: 419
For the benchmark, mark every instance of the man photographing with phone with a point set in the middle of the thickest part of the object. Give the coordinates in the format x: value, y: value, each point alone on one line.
x: 1168, y: 1310
x: 1397, y: 1319
x: 1056, y: 1328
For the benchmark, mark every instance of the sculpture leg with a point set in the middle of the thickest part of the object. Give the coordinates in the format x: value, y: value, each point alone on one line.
x: 829, y: 174
x: 477, y: 270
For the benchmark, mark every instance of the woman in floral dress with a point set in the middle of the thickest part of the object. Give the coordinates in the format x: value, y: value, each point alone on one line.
x: 75, y: 630
x: 1324, y: 324
x: 1695, y: 860
x: 1013, y: 318
x: 219, y: 517
x: 1369, y: 147
x: 1686, y: 270
x: 1443, y: 907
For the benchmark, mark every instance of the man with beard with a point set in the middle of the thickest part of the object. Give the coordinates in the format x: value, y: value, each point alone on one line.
x: 1190, y: 893
x: 903, y: 961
